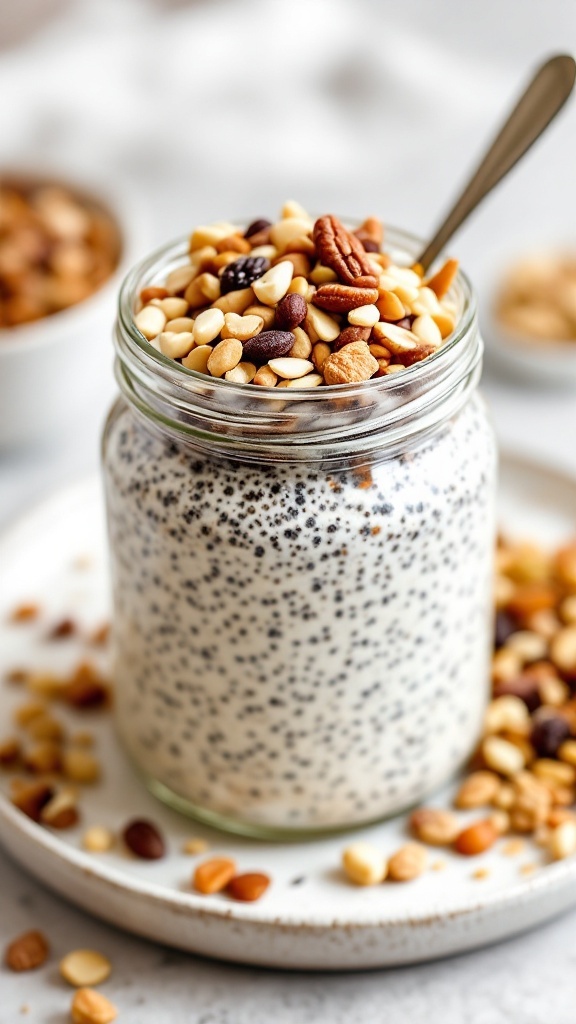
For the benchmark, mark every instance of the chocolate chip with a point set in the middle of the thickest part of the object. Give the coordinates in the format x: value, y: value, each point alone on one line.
x: 548, y: 733
x: 290, y: 311
x: 242, y: 272
x: 268, y: 345
x: 144, y: 840
x: 256, y: 226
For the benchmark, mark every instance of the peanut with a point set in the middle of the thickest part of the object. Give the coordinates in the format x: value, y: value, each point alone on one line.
x: 407, y: 863
x: 91, y: 1007
x: 225, y: 356
x: 364, y: 864
x: 434, y: 827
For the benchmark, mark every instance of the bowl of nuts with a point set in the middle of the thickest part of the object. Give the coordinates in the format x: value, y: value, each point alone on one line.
x: 63, y: 248
x: 532, y: 323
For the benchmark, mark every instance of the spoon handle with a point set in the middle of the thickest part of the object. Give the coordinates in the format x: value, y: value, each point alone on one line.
x: 545, y: 96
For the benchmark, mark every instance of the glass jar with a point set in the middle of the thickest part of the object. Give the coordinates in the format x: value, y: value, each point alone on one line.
x: 302, y: 586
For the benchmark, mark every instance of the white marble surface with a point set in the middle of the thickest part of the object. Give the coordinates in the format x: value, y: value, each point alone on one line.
x: 216, y: 107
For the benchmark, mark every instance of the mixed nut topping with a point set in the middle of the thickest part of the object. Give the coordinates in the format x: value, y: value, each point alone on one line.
x: 298, y: 303
x: 56, y: 249
x: 537, y: 298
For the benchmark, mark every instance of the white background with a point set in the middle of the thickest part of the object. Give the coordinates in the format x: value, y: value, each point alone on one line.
x: 220, y: 108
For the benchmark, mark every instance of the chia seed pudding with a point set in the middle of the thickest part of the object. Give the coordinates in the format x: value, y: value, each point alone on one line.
x: 302, y: 588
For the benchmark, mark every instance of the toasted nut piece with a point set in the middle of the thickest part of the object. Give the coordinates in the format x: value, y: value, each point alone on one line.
x: 214, y: 875
x: 407, y: 863
x: 46, y: 684
x: 501, y: 821
x: 553, y: 692
x: 172, y: 307
x: 225, y: 356
x: 300, y: 265
x: 531, y: 598
x: 273, y: 285
x: 507, y: 713
x: 210, y: 234
x: 152, y: 292
x: 476, y: 838
x: 426, y: 303
x: 179, y: 279
x: 532, y: 801
x: 91, y: 1007
x: 302, y: 346
x: 292, y: 208
x: 372, y: 230
x: 209, y: 285
x: 557, y: 773
x: 207, y: 326
x: 9, y: 751
x: 195, y: 846
x: 144, y: 840
x: 364, y: 316
x: 350, y: 334
x: 364, y: 864
x: 563, y: 650
x: 568, y: 610
x: 322, y: 275
x: 287, y: 229
x: 427, y: 330
x: 44, y: 758
x: 433, y: 826
x: 506, y: 665
x: 502, y: 756
x: 265, y: 377
x: 395, y: 338
x: 248, y: 887
x: 85, y: 967
x: 380, y: 352
x: 243, y: 373
x: 150, y: 321
x: 236, y: 301
x: 477, y: 790
x: 181, y: 324
x: 298, y: 286
x: 445, y: 323
x: 31, y: 797
x: 352, y: 363
x: 233, y: 243
x: 320, y: 326
x: 80, y: 765
x: 266, y: 313
x: 98, y: 839
x: 176, y: 345
x: 562, y: 842
x: 311, y: 380
x: 320, y: 354
x: 528, y: 645
x: 27, y: 612
x: 45, y: 727
x: 241, y: 327
x: 567, y: 752
x: 198, y: 358
x: 27, y: 952
x: 442, y: 280
x: 61, y: 811
x: 289, y: 368
x: 505, y: 797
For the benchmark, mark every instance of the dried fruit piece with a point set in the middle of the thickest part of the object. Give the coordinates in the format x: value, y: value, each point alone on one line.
x: 248, y: 887
x: 343, y: 252
x: 144, y: 840
x: 476, y: 838
x: 85, y: 967
x: 442, y: 280
x: 242, y: 272
x: 257, y: 227
x: 27, y: 952
x: 214, y: 875
x: 91, y: 1007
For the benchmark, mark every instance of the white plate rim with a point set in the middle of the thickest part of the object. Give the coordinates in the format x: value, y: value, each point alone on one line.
x: 549, y: 878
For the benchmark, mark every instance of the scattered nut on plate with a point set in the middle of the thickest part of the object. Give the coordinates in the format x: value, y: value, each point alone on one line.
x: 84, y: 968
x: 27, y: 952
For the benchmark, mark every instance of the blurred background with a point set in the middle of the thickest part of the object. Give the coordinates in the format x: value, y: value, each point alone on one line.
x: 191, y: 111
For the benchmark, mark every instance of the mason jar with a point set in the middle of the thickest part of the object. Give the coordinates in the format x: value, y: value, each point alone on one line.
x: 301, y: 580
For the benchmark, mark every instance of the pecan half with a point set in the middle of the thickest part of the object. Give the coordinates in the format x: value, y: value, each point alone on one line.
x: 340, y: 250
x: 341, y: 298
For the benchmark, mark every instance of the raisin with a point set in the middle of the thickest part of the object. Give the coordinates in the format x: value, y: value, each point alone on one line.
x: 242, y: 273
x: 290, y: 311
x: 256, y: 226
x: 144, y: 840
x: 268, y: 345
x: 504, y: 627
x: 524, y: 686
x: 548, y: 733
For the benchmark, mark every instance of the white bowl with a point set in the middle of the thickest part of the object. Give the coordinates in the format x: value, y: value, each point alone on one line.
x: 526, y: 359
x: 51, y: 368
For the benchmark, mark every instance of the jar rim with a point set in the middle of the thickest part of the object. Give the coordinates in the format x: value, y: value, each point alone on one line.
x: 152, y: 263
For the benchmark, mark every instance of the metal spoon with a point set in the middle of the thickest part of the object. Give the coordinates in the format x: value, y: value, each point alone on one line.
x: 545, y: 96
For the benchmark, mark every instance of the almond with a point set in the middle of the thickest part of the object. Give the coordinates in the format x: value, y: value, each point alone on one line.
x: 27, y: 952
x: 248, y: 887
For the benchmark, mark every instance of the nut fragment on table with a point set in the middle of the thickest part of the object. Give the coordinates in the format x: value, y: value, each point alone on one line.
x: 27, y: 952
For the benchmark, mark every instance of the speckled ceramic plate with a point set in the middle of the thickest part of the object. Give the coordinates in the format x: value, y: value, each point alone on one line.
x: 310, y: 917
